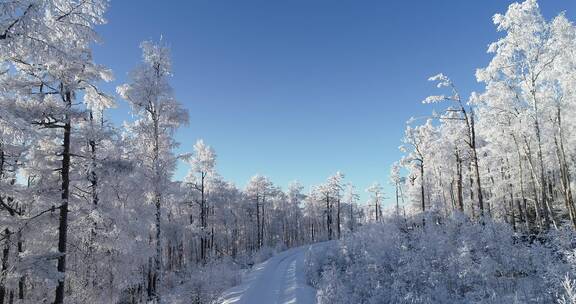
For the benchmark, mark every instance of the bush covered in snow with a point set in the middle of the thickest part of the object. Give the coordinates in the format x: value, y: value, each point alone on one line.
x: 447, y: 261
x: 202, y: 284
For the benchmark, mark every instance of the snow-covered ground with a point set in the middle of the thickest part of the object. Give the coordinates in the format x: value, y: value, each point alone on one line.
x: 279, y: 280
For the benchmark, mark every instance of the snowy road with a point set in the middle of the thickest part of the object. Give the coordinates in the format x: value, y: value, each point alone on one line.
x: 280, y: 280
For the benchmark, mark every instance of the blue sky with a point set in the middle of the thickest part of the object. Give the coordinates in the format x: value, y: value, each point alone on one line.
x: 300, y: 89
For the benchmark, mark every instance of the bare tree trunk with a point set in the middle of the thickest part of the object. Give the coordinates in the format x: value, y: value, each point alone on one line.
x: 63, y: 222
x: 540, y: 213
x: 521, y: 175
x: 459, y: 195
x: 22, y: 280
x: 150, y: 280
x: 452, y: 199
x: 157, y: 258
x: 423, y: 204
x: 2, y: 160
x: 476, y: 166
x: 6, y: 249
x: 5, y: 253
x: 312, y: 231
x: 512, y: 213
x: 473, y: 210
x: 158, y: 215
x: 471, y: 128
x: 258, y: 236
x: 564, y: 171
x: 422, y: 192
x: 338, y: 217
x: 203, y: 219
x: 548, y: 212
x: 328, y: 217
x: 93, y: 176
x: 397, y: 201
x: 263, y: 224
x: 547, y: 208
x: 376, y: 209
x: 351, y: 216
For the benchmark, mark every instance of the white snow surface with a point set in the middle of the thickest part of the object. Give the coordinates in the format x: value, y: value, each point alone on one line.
x: 279, y: 280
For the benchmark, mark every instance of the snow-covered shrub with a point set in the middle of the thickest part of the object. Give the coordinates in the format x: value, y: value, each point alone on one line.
x: 262, y: 255
x: 569, y: 296
x: 249, y: 259
x: 448, y: 261
x: 202, y: 284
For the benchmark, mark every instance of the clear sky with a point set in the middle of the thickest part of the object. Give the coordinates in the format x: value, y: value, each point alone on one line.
x: 300, y: 89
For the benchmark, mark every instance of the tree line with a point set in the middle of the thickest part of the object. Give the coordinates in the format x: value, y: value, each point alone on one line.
x: 507, y: 152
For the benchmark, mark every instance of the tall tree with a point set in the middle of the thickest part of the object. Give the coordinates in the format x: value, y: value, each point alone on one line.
x: 465, y: 114
x: 48, y: 43
x: 258, y: 190
x: 524, y: 65
x: 159, y: 115
x: 417, y: 143
x: 202, y: 167
x: 396, y: 180
x: 335, y: 183
x: 376, y: 196
x: 351, y: 197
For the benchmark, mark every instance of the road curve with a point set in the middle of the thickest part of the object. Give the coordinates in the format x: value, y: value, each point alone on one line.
x: 279, y: 280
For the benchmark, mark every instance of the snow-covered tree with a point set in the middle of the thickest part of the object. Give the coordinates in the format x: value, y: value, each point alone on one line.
x: 159, y: 115
x: 202, y: 167
x: 258, y: 190
x: 376, y: 197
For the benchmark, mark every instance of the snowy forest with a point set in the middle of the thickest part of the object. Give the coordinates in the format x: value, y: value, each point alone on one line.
x: 90, y: 212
